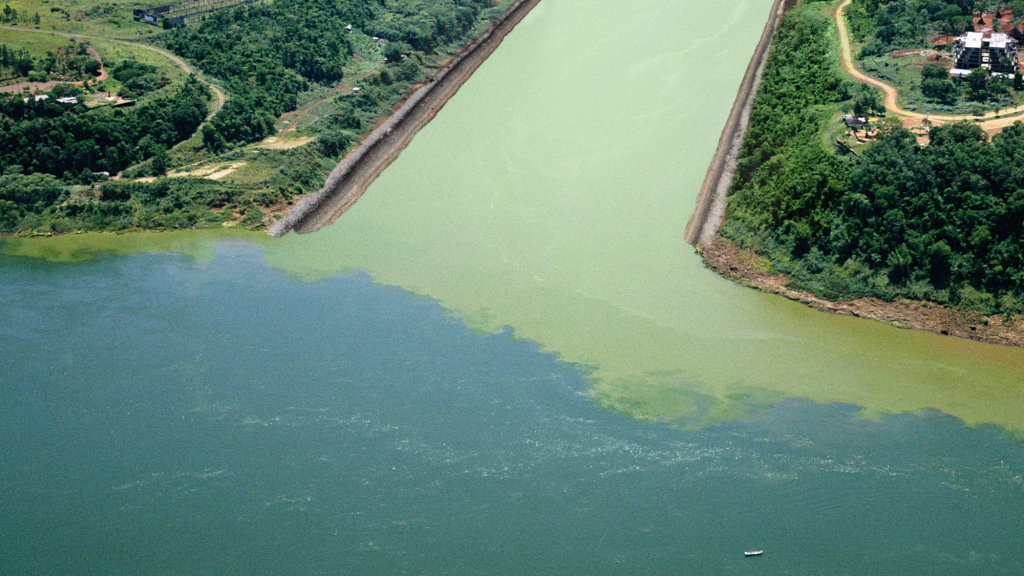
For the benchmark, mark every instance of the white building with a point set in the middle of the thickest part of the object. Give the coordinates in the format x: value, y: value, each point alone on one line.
x: 984, y: 50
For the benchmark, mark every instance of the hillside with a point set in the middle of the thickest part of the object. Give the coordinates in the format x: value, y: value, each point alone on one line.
x: 305, y: 82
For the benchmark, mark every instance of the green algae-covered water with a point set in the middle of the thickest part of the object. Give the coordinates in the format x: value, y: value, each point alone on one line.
x: 503, y: 360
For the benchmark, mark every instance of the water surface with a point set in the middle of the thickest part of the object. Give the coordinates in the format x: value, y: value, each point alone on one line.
x: 550, y: 196
x: 164, y: 416
x: 504, y: 360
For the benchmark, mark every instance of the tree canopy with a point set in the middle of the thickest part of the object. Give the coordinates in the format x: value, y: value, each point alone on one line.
x: 940, y: 222
x: 265, y: 54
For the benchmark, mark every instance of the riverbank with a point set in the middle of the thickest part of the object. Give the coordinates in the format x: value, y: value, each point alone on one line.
x: 354, y: 174
x: 753, y: 271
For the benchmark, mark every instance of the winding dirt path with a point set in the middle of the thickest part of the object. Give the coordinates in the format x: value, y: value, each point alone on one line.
x: 96, y: 56
x: 992, y: 121
x: 218, y: 93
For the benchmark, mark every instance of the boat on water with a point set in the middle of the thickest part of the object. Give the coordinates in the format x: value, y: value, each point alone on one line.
x: 749, y: 553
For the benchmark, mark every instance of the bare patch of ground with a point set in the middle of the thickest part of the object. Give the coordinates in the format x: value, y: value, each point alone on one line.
x: 752, y: 270
x: 225, y: 171
x: 214, y: 171
x: 276, y: 142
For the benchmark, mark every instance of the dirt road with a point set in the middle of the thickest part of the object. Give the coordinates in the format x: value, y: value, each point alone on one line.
x: 992, y: 122
x: 218, y: 93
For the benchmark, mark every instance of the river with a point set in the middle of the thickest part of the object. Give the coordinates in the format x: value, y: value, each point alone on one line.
x: 503, y: 360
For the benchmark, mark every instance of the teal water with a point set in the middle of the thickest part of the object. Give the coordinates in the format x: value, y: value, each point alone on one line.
x: 163, y: 416
x: 503, y: 360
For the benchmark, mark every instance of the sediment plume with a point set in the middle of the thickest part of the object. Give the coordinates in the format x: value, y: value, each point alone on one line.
x: 710, y: 211
x: 358, y: 169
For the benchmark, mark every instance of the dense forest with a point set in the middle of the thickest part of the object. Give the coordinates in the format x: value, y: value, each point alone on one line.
x: 266, y: 54
x: 940, y: 222
x: 71, y: 140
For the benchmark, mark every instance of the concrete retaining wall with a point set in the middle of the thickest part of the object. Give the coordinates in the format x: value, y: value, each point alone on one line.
x: 710, y: 211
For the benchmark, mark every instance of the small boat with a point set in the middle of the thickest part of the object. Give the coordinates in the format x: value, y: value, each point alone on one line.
x: 749, y: 553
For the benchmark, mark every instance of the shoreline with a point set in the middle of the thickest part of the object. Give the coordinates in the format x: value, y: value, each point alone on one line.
x: 751, y: 270
x: 361, y: 166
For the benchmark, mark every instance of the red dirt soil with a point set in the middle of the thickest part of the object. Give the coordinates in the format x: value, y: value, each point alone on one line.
x: 750, y: 270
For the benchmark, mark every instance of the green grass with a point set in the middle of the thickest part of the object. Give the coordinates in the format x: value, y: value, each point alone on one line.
x: 97, y: 18
x: 113, y: 52
x: 37, y: 44
x: 904, y: 73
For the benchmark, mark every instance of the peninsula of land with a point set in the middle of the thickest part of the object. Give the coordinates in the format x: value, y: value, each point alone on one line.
x: 826, y: 194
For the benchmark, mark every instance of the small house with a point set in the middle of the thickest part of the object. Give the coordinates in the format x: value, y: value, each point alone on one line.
x: 854, y: 122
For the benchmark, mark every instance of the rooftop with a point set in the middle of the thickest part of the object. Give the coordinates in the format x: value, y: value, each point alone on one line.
x: 973, y: 39
x: 994, y: 39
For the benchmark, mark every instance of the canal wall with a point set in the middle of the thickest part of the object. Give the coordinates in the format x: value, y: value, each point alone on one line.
x: 358, y: 169
x: 710, y: 210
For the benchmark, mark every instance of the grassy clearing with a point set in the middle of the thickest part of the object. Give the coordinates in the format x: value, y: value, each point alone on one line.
x: 902, y: 70
x: 37, y: 44
x: 114, y: 52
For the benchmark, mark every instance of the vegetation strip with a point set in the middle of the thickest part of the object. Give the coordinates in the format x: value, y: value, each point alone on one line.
x: 749, y: 269
x: 360, y: 168
x: 707, y: 216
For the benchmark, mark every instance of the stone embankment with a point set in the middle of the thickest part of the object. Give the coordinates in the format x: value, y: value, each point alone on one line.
x: 710, y: 211
x: 354, y: 174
